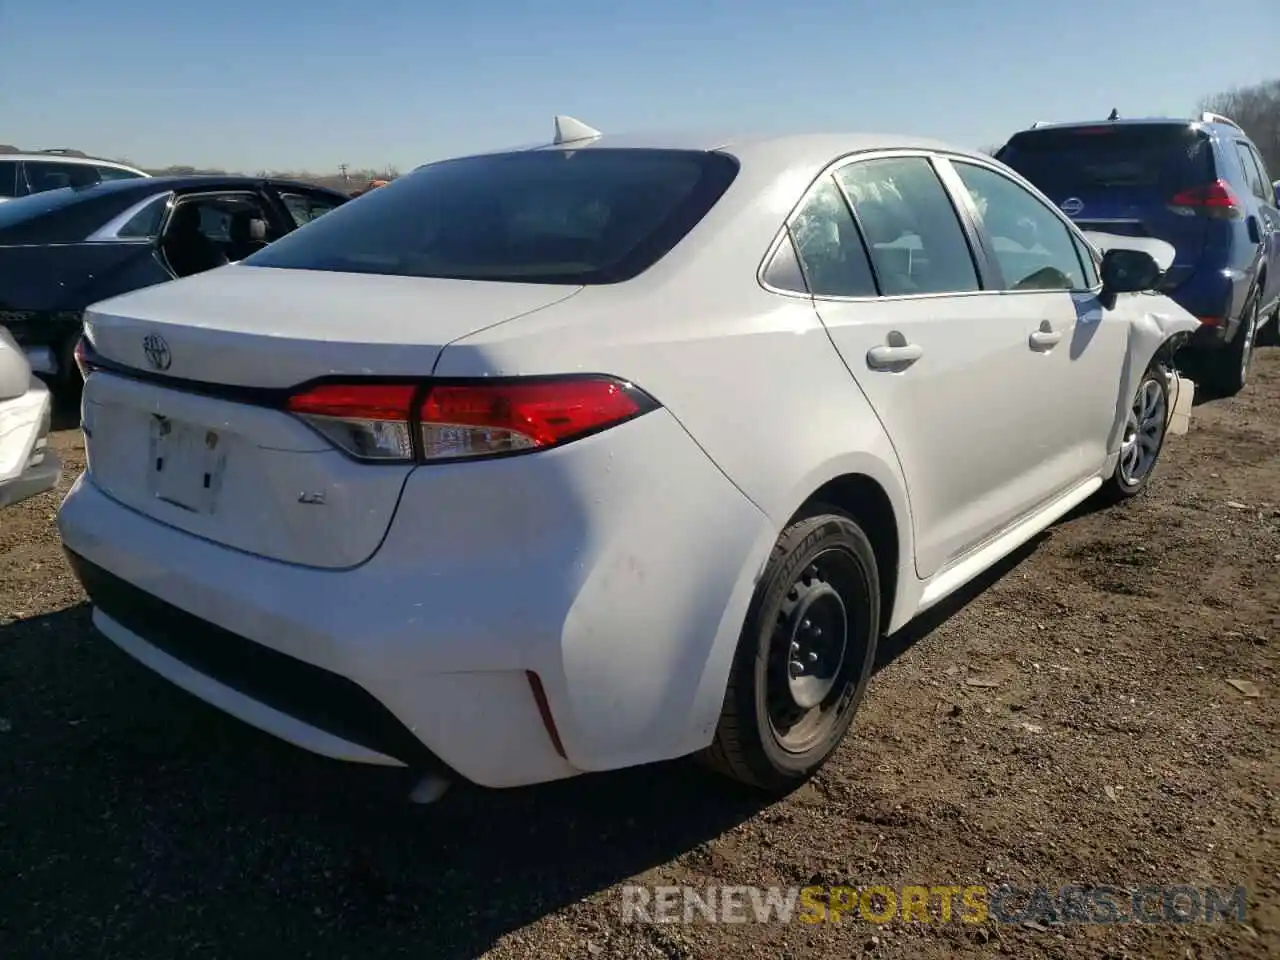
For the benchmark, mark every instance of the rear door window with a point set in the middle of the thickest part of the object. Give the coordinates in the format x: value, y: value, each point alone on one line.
x: 831, y: 252
x: 590, y: 216
x: 43, y: 175
x: 1156, y: 158
x: 914, y: 234
x: 1253, y: 174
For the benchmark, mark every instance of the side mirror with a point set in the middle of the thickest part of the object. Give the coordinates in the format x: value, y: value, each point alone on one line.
x: 1276, y: 189
x: 1127, y: 271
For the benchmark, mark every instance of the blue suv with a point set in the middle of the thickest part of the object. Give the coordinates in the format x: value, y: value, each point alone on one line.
x: 1200, y: 185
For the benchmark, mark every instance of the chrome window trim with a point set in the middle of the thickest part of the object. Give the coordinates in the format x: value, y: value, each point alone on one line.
x: 950, y: 155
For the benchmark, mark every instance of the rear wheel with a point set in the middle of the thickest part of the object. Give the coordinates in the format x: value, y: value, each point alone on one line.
x: 1230, y: 367
x: 804, y: 657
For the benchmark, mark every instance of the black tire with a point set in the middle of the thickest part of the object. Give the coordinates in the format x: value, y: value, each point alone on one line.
x: 1125, y: 482
x: 1229, y: 367
x: 766, y: 737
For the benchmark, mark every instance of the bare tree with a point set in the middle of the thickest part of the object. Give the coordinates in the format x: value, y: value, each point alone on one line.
x: 1257, y: 110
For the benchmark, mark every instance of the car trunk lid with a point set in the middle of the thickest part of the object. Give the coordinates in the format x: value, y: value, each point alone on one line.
x: 184, y: 413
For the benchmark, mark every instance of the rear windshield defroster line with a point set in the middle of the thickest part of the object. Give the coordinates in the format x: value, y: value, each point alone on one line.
x: 592, y: 216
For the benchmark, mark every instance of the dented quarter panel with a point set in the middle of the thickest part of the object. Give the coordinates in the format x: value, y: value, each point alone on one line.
x: 1155, y: 322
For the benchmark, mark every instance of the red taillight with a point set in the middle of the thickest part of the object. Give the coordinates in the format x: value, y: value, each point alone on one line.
x: 1210, y: 321
x: 464, y: 420
x: 480, y: 419
x: 1215, y: 199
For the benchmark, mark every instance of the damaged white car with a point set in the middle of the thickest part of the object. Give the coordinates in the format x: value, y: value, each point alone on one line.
x: 596, y: 454
x: 27, y: 465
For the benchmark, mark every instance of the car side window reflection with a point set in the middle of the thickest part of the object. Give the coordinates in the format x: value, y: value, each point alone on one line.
x: 829, y: 247
x: 917, y: 243
x: 1033, y: 247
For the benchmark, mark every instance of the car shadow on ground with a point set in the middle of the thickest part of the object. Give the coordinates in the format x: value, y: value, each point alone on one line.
x: 140, y: 822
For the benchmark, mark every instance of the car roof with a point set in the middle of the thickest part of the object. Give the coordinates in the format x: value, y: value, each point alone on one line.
x: 794, y: 149
x: 65, y: 158
x: 1220, y: 126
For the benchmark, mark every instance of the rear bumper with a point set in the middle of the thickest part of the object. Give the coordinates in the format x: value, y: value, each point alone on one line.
x: 621, y: 589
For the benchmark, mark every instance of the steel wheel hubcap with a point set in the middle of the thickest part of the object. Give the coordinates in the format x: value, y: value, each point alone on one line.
x: 1143, y: 432
x: 815, y: 652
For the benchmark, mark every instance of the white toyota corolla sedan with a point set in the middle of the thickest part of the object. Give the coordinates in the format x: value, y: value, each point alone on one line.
x: 609, y: 451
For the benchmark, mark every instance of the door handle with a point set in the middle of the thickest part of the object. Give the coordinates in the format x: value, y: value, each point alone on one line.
x: 1046, y: 337
x: 897, y: 355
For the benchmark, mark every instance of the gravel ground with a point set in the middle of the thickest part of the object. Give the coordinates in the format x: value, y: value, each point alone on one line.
x: 1100, y: 743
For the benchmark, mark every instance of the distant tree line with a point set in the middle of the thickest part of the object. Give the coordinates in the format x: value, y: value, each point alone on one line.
x: 1257, y: 110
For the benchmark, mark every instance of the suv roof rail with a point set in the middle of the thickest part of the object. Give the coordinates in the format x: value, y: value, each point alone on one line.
x: 1210, y: 117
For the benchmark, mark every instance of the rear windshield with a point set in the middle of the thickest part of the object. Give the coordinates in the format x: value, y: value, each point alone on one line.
x: 65, y: 215
x: 1156, y: 157
x: 588, y: 216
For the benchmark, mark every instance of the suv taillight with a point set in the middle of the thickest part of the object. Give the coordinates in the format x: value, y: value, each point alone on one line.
x: 434, y: 422
x: 1215, y: 199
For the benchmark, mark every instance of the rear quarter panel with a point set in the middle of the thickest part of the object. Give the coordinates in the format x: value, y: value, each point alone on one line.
x: 44, y: 288
x: 72, y: 276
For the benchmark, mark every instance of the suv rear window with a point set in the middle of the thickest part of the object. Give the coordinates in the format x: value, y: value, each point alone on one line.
x: 590, y: 216
x: 1165, y: 158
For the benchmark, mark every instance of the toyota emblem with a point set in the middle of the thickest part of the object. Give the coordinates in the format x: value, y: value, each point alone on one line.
x: 157, y: 351
x: 1072, y: 205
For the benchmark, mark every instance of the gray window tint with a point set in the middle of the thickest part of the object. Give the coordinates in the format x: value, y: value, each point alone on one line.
x: 8, y: 178
x: 1034, y: 248
x: 603, y: 215
x: 829, y: 247
x: 783, y: 271
x: 916, y: 241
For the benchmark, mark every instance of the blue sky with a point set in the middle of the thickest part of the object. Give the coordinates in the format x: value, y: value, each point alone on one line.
x: 281, y: 84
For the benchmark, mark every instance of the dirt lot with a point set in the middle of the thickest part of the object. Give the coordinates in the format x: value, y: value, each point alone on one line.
x: 136, y: 823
